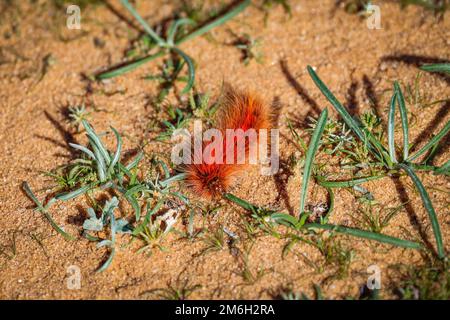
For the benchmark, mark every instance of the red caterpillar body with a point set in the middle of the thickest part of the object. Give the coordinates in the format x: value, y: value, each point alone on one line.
x: 239, y: 110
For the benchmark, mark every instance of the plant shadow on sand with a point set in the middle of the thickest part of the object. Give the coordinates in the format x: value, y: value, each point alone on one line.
x: 418, y: 61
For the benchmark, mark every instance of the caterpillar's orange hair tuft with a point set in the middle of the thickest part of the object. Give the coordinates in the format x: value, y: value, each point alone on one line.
x: 244, y: 110
x: 239, y: 110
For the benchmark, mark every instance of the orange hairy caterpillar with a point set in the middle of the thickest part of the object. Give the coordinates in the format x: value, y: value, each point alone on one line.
x: 240, y: 112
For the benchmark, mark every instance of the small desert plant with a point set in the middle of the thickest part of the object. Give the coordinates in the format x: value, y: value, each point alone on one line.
x: 249, y: 47
x: 170, y: 45
x: 179, y: 291
x: 201, y: 107
x: 424, y: 282
x: 94, y: 224
x: 375, y: 217
x: 99, y: 170
x: 215, y: 241
x: 9, y: 251
x: 154, y: 229
x: 178, y: 120
x: 170, y: 74
x: 76, y: 114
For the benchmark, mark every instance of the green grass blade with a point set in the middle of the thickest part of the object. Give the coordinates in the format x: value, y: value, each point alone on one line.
x: 136, y: 189
x: 107, y: 262
x: 83, y: 149
x: 310, y: 154
x: 46, y: 214
x: 148, y: 215
x: 285, y: 219
x: 366, y: 235
x: 429, y: 207
x: 404, y: 117
x: 277, y: 217
x: 95, y: 141
x: 135, y: 161
x: 135, y: 204
x: 240, y: 202
x: 75, y: 193
x: 431, y: 143
x: 164, y: 168
x: 377, y: 150
x: 215, y: 23
x: 351, y: 123
x: 128, y: 67
x: 391, y: 128
x: 437, y: 67
x: 191, y: 70
x: 330, y: 205
x: 101, y: 167
x: 169, y: 181
x: 118, y: 151
x: 143, y: 23
x: 347, y: 183
x: 444, y: 169
x: 174, y: 28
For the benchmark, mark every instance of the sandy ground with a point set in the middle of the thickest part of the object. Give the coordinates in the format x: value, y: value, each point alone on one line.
x: 358, y: 64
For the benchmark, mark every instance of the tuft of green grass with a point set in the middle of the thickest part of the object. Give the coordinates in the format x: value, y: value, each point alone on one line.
x: 76, y: 115
x: 420, y: 98
x: 179, y: 291
x: 353, y: 155
x: 423, y: 282
x: 260, y: 221
x: 249, y: 275
x: 375, y: 217
x: 336, y: 255
x: 170, y: 74
x: 9, y: 251
x: 249, y: 46
x: 154, y: 229
x: 201, y: 107
x: 214, y: 241
x: 178, y: 119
